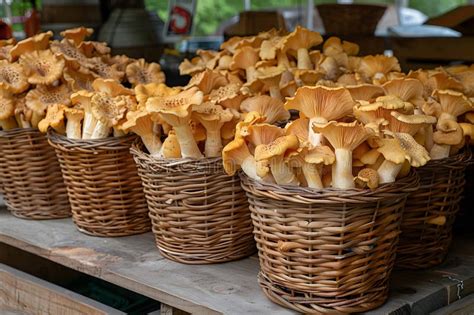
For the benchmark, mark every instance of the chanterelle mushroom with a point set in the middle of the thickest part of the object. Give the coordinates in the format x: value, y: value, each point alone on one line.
x: 74, y: 118
x: 408, y: 90
x: 78, y: 34
x: 13, y: 77
x: 140, y: 123
x: 54, y: 119
x: 141, y: 72
x: 212, y: 117
x: 321, y: 104
x: 108, y: 111
x: 245, y: 58
x: 274, y: 154
x: 236, y: 155
x: 176, y: 111
x: 367, y: 177
x: 298, y: 42
x: 42, y: 67
x: 270, y: 108
x: 344, y: 137
x: 7, y: 111
x: 375, y: 68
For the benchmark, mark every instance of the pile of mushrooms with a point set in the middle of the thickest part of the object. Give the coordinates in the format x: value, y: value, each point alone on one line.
x: 73, y: 85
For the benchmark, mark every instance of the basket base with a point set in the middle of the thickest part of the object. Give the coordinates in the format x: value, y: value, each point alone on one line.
x: 104, y: 232
x: 308, y: 304
x: 40, y: 215
x: 209, y: 257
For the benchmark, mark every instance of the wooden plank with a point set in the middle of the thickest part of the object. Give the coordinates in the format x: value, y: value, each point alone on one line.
x: 461, y: 307
x: 134, y: 263
x: 25, y: 293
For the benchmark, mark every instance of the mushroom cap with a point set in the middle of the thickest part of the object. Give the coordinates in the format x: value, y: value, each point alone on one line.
x: 401, y: 147
x: 141, y: 72
x: 350, y: 79
x: 73, y: 56
x: 299, y: 128
x: 77, y: 80
x: 271, y: 108
x: 322, y: 102
x: 7, y: 105
x: 207, y: 81
x: 300, y: 38
x: 244, y: 58
x: 110, y: 87
x: 410, y: 124
x: 467, y: 80
x: 373, y: 64
x: 224, y: 62
x: 308, y: 77
x: 74, y: 113
x: 332, y: 46
x: 95, y: 49
x: 134, y: 118
x: 448, y: 132
x: 78, y: 34
x: 211, y: 115
x: 42, y: 67
x: 228, y: 96
x: 233, y: 154
x: 108, y: 110
x: 37, y: 42
x: 276, y: 147
x: 365, y: 92
x: 145, y: 91
x: 13, y: 77
x: 54, y: 117
x: 190, y: 67
x: 119, y: 61
x: 269, y: 47
x: 82, y: 99
x: 343, y: 135
x: 370, y: 157
x: 367, y: 177
x: 441, y: 80
x: 177, y: 105
x: 263, y: 134
x: 99, y: 68
x: 408, y: 90
x: 320, y: 155
x: 42, y: 96
x: 231, y: 44
x: 270, y: 75
x: 453, y: 103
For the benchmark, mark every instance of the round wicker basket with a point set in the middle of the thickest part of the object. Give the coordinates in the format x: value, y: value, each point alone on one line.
x: 430, y: 213
x: 103, y: 185
x: 32, y: 184
x: 327, y: 251
x: 199, y: 214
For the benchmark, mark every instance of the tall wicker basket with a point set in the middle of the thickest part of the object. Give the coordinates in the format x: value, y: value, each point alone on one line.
x: 103, y: 185
x: 430, y: 213
x: 326, y: 251
x: 199, y: 214
x: 31, y: 182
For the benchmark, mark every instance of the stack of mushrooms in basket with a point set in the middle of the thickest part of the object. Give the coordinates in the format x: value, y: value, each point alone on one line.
x: 334, y: 154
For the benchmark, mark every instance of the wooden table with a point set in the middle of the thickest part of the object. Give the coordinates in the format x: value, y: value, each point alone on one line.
x: 231, y: 288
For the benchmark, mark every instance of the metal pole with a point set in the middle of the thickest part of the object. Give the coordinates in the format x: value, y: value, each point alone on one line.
x: 309, y: 14
x: 247, y: 5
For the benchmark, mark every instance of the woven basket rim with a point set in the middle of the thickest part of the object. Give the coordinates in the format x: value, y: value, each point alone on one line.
x: 308, y: 195
x: 109, y: 143
x: 171, y: 163
x: 16, y: 131
x: 465, y: 156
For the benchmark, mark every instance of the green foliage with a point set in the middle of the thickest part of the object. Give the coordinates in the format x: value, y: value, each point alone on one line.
x: 211, y: 13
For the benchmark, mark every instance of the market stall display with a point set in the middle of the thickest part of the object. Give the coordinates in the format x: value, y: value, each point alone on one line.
x: 323, y: 157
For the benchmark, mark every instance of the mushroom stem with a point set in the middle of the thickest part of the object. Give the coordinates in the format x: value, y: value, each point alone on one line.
x: 89, y: 125
x: 304, y: 62
x: 61, y: 128
x: 35, y: 119
x: 440, y: 151
x: 313, y: 137
x: 281, y: 172
x: 101, y: 131
x: 73, y: 128
x: 311, y: 174
x: 282, y: 60
x: 152, y: 143
x: 9, y: 123
x: 21, y: 121
x: 342, y: 177
x: 251, y: 74
x: 188, y: 145
x: 388, y: 171
x: 213, y: 146
x: 275, y: 91
x: 249, y: 166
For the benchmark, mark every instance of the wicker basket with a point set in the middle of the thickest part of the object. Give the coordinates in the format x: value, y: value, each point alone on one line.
x: 31, y: 182
x: 199, y: 214
x: 104, y: 188
x: 327, y: 251
x: 430, y: 212
x: 350, y: 19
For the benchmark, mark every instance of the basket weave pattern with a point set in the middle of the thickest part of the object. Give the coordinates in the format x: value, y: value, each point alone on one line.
x: 103, y: 185
x: 199, y: 214
x: 31, y: 182
x: 328, y: 250
x: 424, y: 244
